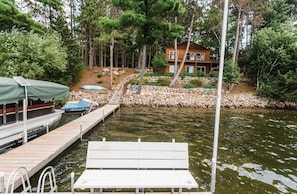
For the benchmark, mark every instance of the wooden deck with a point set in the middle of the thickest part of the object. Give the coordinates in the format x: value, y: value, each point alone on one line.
x: 39, y: 152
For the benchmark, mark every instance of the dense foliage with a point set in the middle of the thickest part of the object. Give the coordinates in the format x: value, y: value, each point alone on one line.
x: 31, y: 55
x: 11, y: 17
x: 273, y: 62
x: 231, y: 73
x: 159, y: 62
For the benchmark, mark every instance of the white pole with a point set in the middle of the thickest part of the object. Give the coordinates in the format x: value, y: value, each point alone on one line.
x: 218, y: 105
x: 2, y: 189
x: 25, y: 104
x: 72, y: 181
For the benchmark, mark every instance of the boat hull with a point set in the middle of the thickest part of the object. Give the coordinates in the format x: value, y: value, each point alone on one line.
x: 11, y: 134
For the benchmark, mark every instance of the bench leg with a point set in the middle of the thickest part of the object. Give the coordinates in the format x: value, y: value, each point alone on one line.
x: 172, y: 190
x: 100, y: 190
x: 137, y: 190
x: 92, y: 190
x: 180, y: 190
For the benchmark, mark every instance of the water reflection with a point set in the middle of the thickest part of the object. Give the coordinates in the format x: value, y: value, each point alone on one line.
x: 257, y: 148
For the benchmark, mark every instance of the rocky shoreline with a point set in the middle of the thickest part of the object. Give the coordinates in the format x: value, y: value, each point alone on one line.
x: 161, y: 96
x: 153, y: 96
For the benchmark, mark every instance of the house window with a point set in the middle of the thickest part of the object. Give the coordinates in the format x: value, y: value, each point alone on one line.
x: 171, y: 55
x: 191, y: 56
x: 201, y: 68
x: 200, y: 56
x: 171, y: 69
x: 189, y: 69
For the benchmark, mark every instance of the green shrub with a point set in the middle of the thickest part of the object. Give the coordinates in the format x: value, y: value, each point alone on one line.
x: 208, y: 86
x: 200, y: 74
x: 213, y: 74
x: 163, y: 81
x: 191, y: 74
x: 99, y: 75
x: 145, y: 81
x: 182, y: 76
x: 151, y: 83
x: 100, y: 81
x: 159, y: 63
x: 135, y: 81
x: 188, y: 85
x: 196, y: 82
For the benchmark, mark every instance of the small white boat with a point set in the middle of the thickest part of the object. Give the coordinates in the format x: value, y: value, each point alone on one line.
x: 92, y: 87
x: 85, y: 105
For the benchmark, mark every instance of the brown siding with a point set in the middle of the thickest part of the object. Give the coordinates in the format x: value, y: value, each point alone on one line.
x: 193, y: 48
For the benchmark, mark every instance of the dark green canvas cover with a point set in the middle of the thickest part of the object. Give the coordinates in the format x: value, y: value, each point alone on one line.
x: 11, y: 91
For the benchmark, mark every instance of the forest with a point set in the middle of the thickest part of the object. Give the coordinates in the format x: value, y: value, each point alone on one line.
x: 55, y: 40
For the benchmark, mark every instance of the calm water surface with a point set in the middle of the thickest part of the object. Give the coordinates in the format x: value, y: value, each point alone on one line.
x: 257, y: 148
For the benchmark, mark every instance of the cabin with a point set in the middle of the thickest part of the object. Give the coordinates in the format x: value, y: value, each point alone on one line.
x: 198, y: 59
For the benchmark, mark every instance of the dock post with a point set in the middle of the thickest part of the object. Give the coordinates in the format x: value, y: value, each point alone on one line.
x: 2, y: 182
x: 80, y: 127
x: 72, y: 181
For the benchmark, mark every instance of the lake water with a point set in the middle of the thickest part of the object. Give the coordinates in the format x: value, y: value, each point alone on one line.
x: 257, y: 148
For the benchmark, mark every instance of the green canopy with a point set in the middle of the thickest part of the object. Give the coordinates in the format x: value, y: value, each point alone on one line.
x: 11, y: 91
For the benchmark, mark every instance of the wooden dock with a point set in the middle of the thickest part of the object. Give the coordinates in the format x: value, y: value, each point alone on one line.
x: 37, y: 153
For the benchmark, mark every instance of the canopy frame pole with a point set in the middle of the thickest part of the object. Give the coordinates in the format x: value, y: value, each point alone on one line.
x: 24, y: 83
x: 218, y: 104
x: 25, y: 105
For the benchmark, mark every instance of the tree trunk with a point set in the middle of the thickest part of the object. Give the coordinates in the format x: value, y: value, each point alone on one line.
x: 143, y: 65
x: 71, y: 17
x: 139, y: 58
x: 116, y: 57
x: 91, y: 50
x: 91, y: 56
x: 149, y: 57
x: 111, y: 62
x: 101, y: 55
x: 105, y: 58
x: 175, y: 52
x: 236, y: 43
x: 123, y: 59
x: 133, y: 60
x: 94, y: 55
x: 185, y: 55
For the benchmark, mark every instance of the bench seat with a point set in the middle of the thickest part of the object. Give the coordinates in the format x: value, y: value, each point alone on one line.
x: 136, y: 179
x: 137, y: 165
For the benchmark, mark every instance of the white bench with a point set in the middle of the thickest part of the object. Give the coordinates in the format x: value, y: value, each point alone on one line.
x: 137, y: 165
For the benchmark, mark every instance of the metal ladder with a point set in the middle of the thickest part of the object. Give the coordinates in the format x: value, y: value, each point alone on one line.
x: 47, y: 177
x: 49, y: 173
x: 22, y: 174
